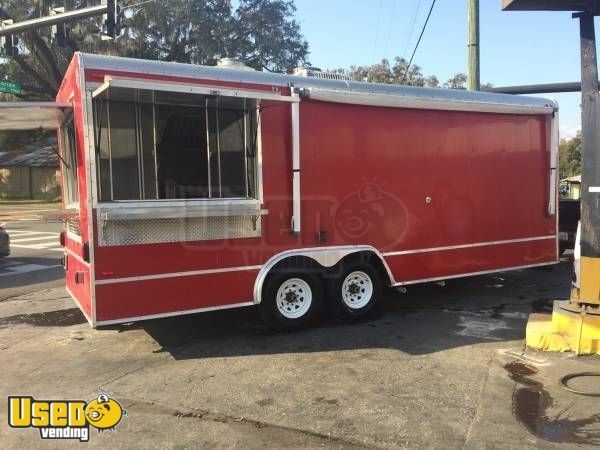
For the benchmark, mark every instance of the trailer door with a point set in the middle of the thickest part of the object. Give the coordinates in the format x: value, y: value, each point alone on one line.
x: 43, y: 116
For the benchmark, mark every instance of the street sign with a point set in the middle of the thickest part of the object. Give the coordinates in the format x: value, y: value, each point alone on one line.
x: 10, y: 87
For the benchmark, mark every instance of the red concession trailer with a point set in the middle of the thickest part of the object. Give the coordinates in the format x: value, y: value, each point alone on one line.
x: 192, y: 188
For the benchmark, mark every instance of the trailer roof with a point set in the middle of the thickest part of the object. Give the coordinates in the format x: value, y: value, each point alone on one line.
x: 114, y: 63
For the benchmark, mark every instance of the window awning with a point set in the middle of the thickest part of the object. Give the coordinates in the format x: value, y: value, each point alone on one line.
x: 119, y: 88
x: 32, y: 115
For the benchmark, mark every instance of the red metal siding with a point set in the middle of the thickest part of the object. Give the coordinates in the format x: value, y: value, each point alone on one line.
x: 367, y: 173
x: 71, y: 91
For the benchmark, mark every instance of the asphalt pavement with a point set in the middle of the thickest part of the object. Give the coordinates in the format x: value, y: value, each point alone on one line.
x: 34, y: 263
x: 438, y: 367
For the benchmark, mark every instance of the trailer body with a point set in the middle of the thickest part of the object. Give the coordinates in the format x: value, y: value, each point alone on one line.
x: 432, y: 183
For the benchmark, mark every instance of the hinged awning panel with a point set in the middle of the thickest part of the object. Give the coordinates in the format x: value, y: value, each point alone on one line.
x: 32, y: 115
x: 117, y: 85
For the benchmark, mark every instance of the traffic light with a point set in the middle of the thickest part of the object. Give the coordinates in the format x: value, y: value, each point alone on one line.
x: 59, y: 31
x: 9, y: 42
x: 112, y: 20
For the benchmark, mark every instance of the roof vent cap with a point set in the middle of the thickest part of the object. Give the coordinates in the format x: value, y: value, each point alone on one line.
x: 232, y: 63
x: 315, y: 72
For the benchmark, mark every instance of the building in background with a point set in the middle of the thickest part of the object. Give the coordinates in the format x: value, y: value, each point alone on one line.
x: 571, y: 187
x: 30, y: 173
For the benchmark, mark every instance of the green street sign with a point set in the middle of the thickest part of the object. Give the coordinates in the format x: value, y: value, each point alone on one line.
x: 10, y: 87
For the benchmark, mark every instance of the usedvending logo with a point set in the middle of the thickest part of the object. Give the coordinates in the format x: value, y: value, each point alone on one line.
x: 65, y: 419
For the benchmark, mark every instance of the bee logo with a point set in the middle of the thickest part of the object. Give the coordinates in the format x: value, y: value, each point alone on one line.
x: 65, y: 419
x: 104, y: 413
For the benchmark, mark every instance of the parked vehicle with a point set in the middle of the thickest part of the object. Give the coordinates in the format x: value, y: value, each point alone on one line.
x: 4, y: 243
x: 191, y: 188
x: 569, y: 212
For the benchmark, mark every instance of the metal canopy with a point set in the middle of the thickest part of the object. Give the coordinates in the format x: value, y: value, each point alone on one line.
x: 32, y: 115
x: 122, y: 88
x: 550, y: 5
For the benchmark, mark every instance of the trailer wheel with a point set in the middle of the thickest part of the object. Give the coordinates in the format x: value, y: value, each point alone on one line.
x: 290, y: 300
x: 356, y: 292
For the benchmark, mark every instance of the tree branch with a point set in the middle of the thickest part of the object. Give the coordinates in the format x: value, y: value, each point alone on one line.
x: 49, y: 89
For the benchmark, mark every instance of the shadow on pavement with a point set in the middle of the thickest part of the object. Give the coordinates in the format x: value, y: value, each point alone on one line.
x: 428, y: 319
x: 22, y: 270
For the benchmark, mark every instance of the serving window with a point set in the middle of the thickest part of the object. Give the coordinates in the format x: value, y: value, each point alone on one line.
x: 156, y: 145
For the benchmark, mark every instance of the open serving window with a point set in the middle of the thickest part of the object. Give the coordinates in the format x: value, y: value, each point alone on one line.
x: 23, y: 116
x: 176, y: 161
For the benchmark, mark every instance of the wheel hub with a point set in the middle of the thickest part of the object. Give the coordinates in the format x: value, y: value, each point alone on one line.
x: 357, y: 290
x: 294, y: 298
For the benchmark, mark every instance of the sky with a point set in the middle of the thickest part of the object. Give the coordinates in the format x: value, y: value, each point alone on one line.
x: 516, y: 47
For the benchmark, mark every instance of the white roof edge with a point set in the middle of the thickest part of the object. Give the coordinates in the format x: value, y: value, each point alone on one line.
x: 115, y: 63
x: 421, y: 102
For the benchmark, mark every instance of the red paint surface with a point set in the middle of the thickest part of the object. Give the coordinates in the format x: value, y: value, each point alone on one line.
x: 172, y: 294
x: 70, y: 91
x: 366, y: 175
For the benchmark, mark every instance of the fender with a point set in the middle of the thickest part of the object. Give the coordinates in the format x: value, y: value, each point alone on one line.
x: 325, y: 256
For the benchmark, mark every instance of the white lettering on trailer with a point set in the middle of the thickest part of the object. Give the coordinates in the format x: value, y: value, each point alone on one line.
x: 594, y: 189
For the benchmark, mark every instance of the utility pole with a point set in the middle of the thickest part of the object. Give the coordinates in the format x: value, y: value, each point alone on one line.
x: 575, y: 323
x: 590, y: 163
x: 473, y: 81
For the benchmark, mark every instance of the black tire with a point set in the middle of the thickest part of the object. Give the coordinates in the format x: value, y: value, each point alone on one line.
x: 336, y: 290
x: 271, y: 313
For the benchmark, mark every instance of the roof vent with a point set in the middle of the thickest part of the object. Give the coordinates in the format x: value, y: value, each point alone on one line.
x: 315, y: 72
x: 232, y: 63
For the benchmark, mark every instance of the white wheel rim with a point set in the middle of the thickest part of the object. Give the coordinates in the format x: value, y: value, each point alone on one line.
x: 294, y: 298
x: 357, y: 290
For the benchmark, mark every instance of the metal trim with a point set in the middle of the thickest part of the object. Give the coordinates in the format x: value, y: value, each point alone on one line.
x: 90, y: 320
x: 326, y: 256
x: 133, y: 83
x: 171, y: 314
x: 476, y: 244
x: 279, y: 81
x: 90, y: 166
x: 554, y: 140
x: 468, y: 274
x: 76, y: 256
x: 295, y: 111
x: 259, y: 163
x: 422, y: 102
x: 141, y: 209
x: 175, y: 275
x: 74, y: 237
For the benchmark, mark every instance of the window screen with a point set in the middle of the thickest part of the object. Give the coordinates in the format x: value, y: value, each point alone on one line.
x: 69, y: 154
x: 160, y: 145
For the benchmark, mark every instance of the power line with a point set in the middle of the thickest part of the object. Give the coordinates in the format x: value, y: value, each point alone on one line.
x: 377, y: 29
x: 412, y: 29
x: 418, y: 41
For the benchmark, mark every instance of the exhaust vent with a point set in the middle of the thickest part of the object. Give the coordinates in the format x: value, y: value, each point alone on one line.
x: 315, y: 72
x: 232, y: 63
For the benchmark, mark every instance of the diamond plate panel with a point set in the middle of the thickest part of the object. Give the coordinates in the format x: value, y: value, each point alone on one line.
x: 153, y: 231
x: 72, y: 226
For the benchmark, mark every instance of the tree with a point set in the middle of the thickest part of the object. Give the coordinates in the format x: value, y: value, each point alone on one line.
x: 261, y: 33
x: 569, y: 154
x: 383, y: 72
x: 458, y: 81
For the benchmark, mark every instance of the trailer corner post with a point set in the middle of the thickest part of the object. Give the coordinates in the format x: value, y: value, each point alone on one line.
x: 554, y: 139
x: 295, y: 165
